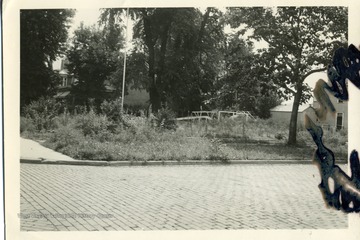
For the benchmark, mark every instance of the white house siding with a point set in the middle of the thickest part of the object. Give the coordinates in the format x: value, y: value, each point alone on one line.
x: 284, y: 116
x: 341, y: 107
x: 282, y: 113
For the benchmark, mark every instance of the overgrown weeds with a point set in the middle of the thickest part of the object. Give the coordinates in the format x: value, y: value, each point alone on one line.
x: 110, y: 135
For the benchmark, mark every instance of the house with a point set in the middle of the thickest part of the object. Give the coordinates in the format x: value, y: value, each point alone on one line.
x: 332, y: 122
x: 282, y: 113
x: 67, y: 80
x: 135, y: 97
x: 336, y: 121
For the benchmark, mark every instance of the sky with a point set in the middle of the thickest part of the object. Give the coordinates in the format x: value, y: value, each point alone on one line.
x: 88, y: 17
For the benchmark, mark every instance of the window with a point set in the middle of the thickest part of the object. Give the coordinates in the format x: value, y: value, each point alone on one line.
x: 326, y: 127
x: 339, y: 121
x: 64, y: 82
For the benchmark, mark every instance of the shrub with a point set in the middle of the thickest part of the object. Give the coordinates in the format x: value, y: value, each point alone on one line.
x: 63, y: 120
x: 279, y: 136
x: 92, y: 124
x: 139, y: 110
x: 65, y: 137
x: 165, y: 119
x: 112, y: 109
x: 42, y: 113
x: 26, y: 125
x: 80, y: 109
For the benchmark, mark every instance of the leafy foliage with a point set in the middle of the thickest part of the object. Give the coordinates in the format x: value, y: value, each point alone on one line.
x: 42, y: 113
x: 112, y: 109
x: 93, y: 60
x: 300, y: 42
x: 43, y: 36
x: 176, y: 54
x: 92, y: 124
x: 242, y: 86
x: 142, y: 141
x: 165, y: 119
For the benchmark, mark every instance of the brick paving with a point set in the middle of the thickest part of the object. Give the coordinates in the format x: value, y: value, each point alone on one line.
x: 198, y: 197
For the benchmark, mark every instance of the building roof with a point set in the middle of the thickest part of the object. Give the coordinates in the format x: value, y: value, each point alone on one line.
x: 62, y: 94
x: 288, y: 108
x: 63, y: 72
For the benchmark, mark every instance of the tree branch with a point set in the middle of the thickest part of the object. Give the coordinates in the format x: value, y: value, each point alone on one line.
x: 288, y: 62
x: 283, y: 85
x: 314, y: 71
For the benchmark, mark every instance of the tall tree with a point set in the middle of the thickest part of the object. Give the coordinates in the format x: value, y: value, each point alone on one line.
x: 93, y: 59
x: 43, y: 38
x: 180, y: 50
x: 301, y: 41
x: 194, y: 58
x: 241, y: 85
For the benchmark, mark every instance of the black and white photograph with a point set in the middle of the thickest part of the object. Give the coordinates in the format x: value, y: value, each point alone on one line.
x: 158, y: 118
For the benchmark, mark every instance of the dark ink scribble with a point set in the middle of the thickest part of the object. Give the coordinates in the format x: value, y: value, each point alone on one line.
x: 345, y: 65
x: 338, y: 189
x: 323, y: 99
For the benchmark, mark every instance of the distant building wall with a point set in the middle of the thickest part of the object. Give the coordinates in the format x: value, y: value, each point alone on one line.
x: 337, y: 120
x: 280, y: 116
x: 137, y: 97
x: 285, y: 116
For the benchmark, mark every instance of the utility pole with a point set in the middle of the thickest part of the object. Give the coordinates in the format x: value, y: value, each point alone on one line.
x: 124, y: 71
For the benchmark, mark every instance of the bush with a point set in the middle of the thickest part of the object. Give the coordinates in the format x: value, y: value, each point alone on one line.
x: 42, y: 113
x: 279, y: 136
x: 92, y: 124
x: 165, y: 119
x: 80, y: 109
x: 65, y: 137
x: 26, y: 125
x: 139, y: 110
x: 63, y: 120
x: 112, y: 109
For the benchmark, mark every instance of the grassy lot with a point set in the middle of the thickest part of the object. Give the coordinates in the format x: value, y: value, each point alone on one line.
x: 93, y: 136
x: 107, y: 135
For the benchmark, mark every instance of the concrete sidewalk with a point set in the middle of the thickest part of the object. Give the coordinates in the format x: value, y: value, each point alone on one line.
x: 34, y: 151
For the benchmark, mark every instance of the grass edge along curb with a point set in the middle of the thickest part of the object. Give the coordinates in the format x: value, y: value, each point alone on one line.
x: 159, y: 163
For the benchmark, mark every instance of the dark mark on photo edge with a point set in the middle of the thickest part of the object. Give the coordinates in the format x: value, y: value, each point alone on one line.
x: 338, y: 189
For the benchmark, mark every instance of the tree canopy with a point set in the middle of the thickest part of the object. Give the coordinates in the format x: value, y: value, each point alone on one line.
x: 301, y: 41
x: 43, y: 36
x: 242, y: 86
x: 180, y: 47
x: 94, y: 59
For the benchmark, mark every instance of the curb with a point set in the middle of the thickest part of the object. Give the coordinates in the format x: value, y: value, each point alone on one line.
x: 159, y: 163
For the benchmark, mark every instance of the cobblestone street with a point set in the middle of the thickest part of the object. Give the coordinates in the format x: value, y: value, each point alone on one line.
x: 195, y: 197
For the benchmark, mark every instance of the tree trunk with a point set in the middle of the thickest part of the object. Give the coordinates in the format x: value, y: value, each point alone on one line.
x: 198, y: 49
x: 294, y: 115
x: 153, y: 89
x: 150, y: 43
x: 161, y: 64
